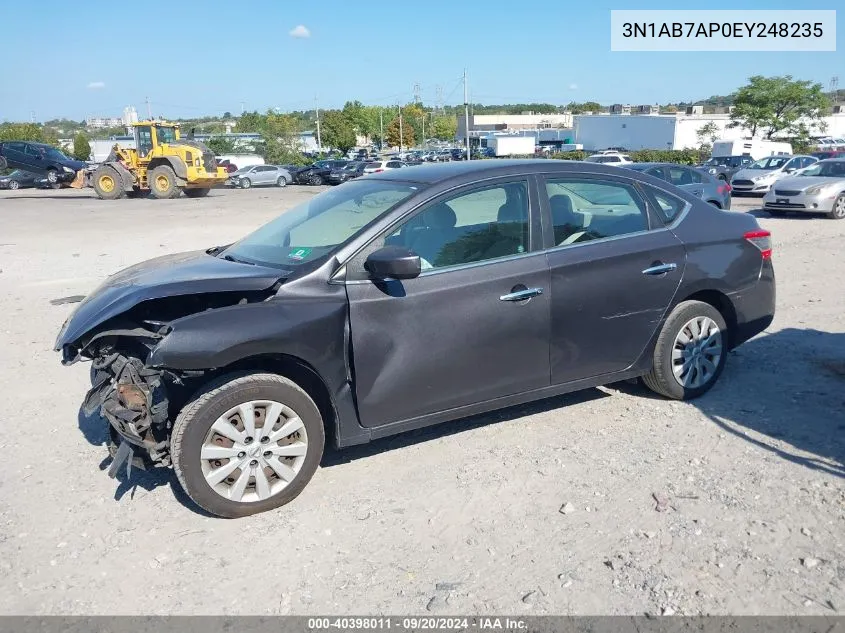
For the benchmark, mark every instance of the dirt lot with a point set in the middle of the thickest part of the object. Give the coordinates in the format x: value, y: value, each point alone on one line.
x: 606, y: 501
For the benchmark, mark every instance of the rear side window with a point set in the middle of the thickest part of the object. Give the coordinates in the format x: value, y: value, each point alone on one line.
x: 668, y: 206
x: 683, y: 176
x: 592, y: 209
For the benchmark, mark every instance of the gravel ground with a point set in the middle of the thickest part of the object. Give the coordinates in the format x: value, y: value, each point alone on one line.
x: 608, y: 501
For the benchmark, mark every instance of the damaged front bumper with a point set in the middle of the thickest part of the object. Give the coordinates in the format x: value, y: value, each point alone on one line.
x: 133, y: 399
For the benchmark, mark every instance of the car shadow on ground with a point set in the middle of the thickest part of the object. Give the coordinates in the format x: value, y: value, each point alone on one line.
x: 784, y: 393
x: 95, y: 430
x: 798, y: 215
x: 334, y: 457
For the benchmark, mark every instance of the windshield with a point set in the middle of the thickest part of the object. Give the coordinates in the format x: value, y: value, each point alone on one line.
x: 772, y: 162
x: 832, y: 169
x: 317, y: 227
x: 166, y: 134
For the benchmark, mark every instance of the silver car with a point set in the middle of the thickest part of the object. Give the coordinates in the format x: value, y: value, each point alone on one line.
x: 259, y: 175
x: 817, y: 189
x: 759, y: 176
x: 708, y: 188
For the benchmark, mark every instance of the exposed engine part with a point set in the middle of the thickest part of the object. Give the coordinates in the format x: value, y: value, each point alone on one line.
x: 133, y: 399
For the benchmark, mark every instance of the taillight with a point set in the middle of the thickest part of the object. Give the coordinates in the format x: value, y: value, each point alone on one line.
x: 724, y: 188
x: 378, y: 171
x: 762, y: 240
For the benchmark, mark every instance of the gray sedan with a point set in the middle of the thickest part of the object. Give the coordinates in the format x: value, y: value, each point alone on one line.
x: 819, y: 188
x: 258, y: 175
x: 712, y: 190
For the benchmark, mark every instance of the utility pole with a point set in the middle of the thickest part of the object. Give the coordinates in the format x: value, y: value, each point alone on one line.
x: 401, y: 134
x: 319, y: 140
x: 242, y: 108
x: 32, y: 115
x: 149, y: 109
x: 423, y: 130
x: 466, y: 114
x: 381, y: 128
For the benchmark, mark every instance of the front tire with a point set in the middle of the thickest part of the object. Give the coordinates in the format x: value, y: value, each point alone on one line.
x: 690, y: 352
x: 162, y: 182
x: 52, y: 176
x: 838, y: 210
x: 229, y: 462
x: 14, y: 184
x: 245, y: 183
x: 201, y: 192
x: 107, y: 183
x: 316, y: 180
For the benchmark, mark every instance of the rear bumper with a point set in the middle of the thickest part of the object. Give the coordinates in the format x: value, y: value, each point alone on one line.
x: 754, y: 306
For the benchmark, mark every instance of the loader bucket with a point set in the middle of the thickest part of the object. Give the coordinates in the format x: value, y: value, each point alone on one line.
x: 78, y: 181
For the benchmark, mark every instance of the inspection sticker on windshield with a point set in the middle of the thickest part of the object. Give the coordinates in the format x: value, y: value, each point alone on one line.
x: 299, y: 253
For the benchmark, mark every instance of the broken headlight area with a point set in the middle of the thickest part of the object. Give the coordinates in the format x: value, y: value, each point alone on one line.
x: 133, y: 399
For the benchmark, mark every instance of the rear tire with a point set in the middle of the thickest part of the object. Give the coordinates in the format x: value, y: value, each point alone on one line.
x: 162, y: 182
x: 107, y: 183
x: 686, y: 365
x: 281, y: 182
x: 201, y: 192
x: 237, y: 492
x: 838, y: 211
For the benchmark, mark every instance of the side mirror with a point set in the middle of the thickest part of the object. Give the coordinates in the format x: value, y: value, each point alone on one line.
x: 789, y: 170
x: 393, y: 262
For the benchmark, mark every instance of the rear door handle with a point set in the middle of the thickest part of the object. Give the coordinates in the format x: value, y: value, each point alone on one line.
x: 521, y: 295
x: 660, y: 269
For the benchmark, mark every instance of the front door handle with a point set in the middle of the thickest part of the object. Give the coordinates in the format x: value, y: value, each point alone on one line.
x: 521, y: 295
x: 660, y: 269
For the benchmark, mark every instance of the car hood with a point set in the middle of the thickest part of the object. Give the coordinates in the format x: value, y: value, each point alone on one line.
x: 189, y: 273
x: 800, y: 183
x: 754, y: 173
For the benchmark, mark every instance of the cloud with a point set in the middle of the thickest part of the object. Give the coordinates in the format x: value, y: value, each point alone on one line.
x: 300, y: 32
x: 95, y: 85
x: 573, y: 86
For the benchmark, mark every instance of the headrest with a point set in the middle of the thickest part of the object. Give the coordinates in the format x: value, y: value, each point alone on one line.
x: 561, y: 206
x: 440, y: 216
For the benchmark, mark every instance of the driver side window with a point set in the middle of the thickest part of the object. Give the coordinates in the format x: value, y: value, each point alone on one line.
x: 469, y: 227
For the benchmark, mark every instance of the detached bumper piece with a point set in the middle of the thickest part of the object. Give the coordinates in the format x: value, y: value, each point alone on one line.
x: 133, y: 399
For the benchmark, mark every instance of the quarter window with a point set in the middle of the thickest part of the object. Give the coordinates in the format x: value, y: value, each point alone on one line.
x: 584, y: 210
x: 472, y: 227
x: 668, y: 206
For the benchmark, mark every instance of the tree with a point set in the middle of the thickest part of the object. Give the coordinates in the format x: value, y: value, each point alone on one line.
x: 81, y: 147
x: 444, y: 128
x: 773, y: 105
x: 587, y: 106
x: 707, y: 135
x: 221, y: 145
x: 227, y: 115
x: 392, y: 133
x: 280, y: 143
x: 337, y: 130
x: 251, y: 122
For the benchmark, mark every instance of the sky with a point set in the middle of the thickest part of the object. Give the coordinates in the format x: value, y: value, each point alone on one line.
x: 193, y: 58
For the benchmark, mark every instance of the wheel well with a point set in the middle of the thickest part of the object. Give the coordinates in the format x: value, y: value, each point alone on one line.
x: 722, y: 303
x: 296, y: 370
x: 715, y: 203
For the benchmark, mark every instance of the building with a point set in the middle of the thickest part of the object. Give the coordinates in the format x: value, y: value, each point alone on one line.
x: 99, y: 122
x: 481, y: 124
x: 668, y: 131
x: 130, y: 116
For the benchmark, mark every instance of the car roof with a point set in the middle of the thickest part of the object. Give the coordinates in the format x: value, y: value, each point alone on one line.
x: 430, y: 173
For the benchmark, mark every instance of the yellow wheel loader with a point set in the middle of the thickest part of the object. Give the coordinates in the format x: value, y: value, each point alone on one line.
x: 162, y: 164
